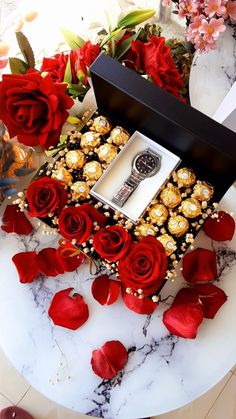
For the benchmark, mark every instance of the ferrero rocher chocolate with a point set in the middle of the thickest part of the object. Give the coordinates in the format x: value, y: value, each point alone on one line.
x: 90, y: 140
x: 158, y: 214
x: 170, y: 196
x: 80, y: 190
x: 107, y: 152
x: 178, y: 225
x: 101, y: 125
x: 62, y: 175
x: 92, y: 170
x: 168, y: 242
x: 191, y: 208
x: 145, y: 229
x: 185, y: 177
x: 119, y: 136
x: 203, y: 191
x: 75, y: 159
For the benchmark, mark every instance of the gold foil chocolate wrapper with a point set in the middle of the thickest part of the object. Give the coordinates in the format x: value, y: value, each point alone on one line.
x: 185, y: 177
x: 168, y: 242
x: 107, y: 152
x: 90, y: 140
x: 203, y: 191
x: 75, y: 159
x: 80, y: 190
x: 170, y: 196
x: 145, y: 229
x: 119, y: 136
x: 178, y: 225
x: 62, y: 175
x: 158, y: 214
x: 92, y: 170
x: 101, y: 125
x: 191, y: 208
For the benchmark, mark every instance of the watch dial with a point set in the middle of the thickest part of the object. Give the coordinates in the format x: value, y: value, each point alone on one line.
x: 146, y: 163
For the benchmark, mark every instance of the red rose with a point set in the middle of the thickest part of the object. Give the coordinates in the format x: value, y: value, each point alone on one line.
x: 112, y: 243
x: 87, y: 54
x: 77, y: 222
x: 108, y: 360
x: 185, y: 314
x: 45, y: 195
x: 56, y: 66
x: 144, y: 267
x: 154, y: 59
x: 200, y: 266
x: 33, y: 108
x: 221, y: 228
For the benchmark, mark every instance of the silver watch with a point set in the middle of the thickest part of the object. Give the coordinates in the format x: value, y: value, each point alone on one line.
x: 145, y: 164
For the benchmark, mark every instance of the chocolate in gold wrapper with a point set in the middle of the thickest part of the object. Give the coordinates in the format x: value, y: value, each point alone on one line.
x: 80, y: 190
x: 178, y: 225
x: 168, y: 242
x: 75, y: 159
x: 203, y: 191
x: 92, y: 170
x: 158, y: 214
x: 145, y: 229
x: 107, y: 152
x: 119, y: 136
x: 62, y: 175
x: 90, y: 140
x: 185, y: 177
x: 170, y: 196
x: 101, y: 125
x: 190, y: 207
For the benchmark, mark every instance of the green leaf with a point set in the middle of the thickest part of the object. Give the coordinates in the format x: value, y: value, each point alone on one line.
x: 81, y: 76
x: 108, y: 21
x: 109, y: 36
x: 68, y: 73
x: 113, y: 47
x: 73, y: 40
x: 124, y: 46
x: 26, y: 49
x: 73, y: 120
x: 135, y: 18
x: 18, y: 66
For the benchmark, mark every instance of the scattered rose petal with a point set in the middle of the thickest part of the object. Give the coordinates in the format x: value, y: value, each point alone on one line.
x: 109, y: 359
x: 185, y: 314
x: 15, y: 221
x: 105, y: 290
x: 138, y: 305
x: 68, y: 310
x: 27, y: 266
x: 3, y: 63
x: 200, y: 266
x: 212, y: 299
x: 48, y: 263
x: 221, y: 228
x: 69, y: 257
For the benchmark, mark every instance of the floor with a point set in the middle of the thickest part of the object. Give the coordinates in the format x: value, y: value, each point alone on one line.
x: 218, y: 403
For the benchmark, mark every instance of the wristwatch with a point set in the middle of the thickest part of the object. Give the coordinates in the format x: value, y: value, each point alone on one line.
x: 145, y: 164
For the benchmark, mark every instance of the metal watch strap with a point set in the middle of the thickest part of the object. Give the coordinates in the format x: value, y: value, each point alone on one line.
x: 126, y: 190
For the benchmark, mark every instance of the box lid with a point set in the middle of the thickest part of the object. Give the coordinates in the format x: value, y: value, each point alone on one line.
x: 202, y: 143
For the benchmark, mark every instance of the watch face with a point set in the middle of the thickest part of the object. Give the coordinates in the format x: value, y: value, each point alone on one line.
x: 146, y: 163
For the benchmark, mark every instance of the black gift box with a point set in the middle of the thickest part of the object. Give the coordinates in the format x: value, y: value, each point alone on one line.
x: 203, y: 144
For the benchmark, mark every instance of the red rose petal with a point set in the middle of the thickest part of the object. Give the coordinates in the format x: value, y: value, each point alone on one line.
x: 48, y: 263
x: 15, y: 221
x: 200, y: 266
x: 68, y: 310
x: 221, y: 228
x: 140, y: 306
x: 94, y: 214
x: 27, y: 266
x: 67, y: 257
x: 105, y: 290
x: 185, y: 314
x: 212, y: 299
x: 109, y: 359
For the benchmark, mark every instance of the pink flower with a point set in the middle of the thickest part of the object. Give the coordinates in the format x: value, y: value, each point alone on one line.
x: 188, y: 8
x: 165, y: 3
x: 214, y: 7
x: 212, y: 29
x: 202, y: 45
x: 231, y: 10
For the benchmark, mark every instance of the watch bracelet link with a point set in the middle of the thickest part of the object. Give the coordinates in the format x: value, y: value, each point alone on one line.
x: 126, y: 189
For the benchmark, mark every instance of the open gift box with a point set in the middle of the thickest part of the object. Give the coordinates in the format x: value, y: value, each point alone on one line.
x: 177, y: 160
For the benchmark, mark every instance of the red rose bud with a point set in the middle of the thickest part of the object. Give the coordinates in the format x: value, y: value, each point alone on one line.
x: 200, y: 266
x: 105, y: 290
x: 46, y: 196
x: 212, y: 299
x: 109, y: 359
x: 68, y: 310
x: 56, y: 66
x: 138, y: 305
x: 144, y: 266
x: 185, y: 314
x: 112, y: 243
x: 27, y: 266
x: 69, y: 257
x: 48, y: 262
x: 33, y: 108
x: 221, y: 228
x: 15, y: 221
x: 87, y: 54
